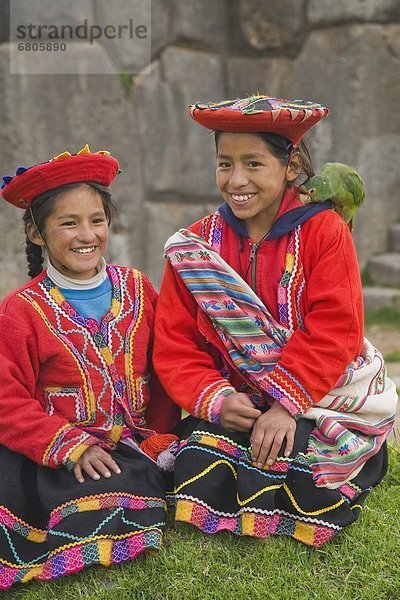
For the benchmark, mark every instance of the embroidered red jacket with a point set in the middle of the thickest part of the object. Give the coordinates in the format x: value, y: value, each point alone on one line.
x: 324, y: 309
x: 67, y: 382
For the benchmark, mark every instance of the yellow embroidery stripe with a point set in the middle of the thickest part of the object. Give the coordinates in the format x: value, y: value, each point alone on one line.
x: 289, y: 262
x: 89, y: 397
x: 356, y: 506
x: 225, y: 462
x: 295, y: 287
x: 207, y: 470
x: 101, y: 538
x: 24, y: 523
x: 53, y: 441
x: 105, y: 495
x: 78, y: 451
x: 266, y: 489
x: 313, y: 512
x: 129, y: 357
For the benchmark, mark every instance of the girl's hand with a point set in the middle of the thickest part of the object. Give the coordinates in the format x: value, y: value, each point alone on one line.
x: 269, y: 431
x: 95, y: 462
x: 238, y: 412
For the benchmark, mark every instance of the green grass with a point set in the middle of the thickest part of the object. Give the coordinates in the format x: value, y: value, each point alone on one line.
x: 127, y: 83
x: 385, y: 317
x: 392, y: 356
x: 361, y: 563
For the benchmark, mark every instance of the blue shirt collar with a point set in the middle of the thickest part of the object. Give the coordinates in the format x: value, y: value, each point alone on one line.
x: 283, y: 225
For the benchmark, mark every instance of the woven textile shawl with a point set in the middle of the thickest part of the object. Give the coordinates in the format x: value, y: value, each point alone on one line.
x: 352, y: 421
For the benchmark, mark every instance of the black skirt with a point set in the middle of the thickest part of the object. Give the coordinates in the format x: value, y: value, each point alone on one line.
x: 218, y: 487
x: 51, y: 525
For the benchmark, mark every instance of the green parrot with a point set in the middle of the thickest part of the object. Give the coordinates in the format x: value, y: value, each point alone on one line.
x: 339, y: 183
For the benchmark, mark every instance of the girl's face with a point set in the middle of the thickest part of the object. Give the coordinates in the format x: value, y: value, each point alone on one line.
x: 251, y: 179
x: 75, y: 233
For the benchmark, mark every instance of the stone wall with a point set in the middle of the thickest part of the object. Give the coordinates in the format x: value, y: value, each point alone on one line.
x: 345, y: 54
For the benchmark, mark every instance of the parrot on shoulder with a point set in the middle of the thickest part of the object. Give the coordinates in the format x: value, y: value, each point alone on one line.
x: 339, y: 183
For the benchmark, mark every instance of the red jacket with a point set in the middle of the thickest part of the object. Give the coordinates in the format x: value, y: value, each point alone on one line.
x: 325, y: 307
x: 64, y: 387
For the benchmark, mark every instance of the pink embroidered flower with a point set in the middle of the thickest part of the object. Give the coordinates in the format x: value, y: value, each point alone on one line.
x: 343, y: 450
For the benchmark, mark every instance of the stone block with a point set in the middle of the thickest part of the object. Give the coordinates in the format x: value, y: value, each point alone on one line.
x: 326, y: 12
x: 193, y: 70
x: 385, y: 269
x: 361, y: 86
x: 73, y: 23
x: 131, y: 49
x: 202, y: 23
x: 272, y: 24
x: 378, y: 297
x: 79, y: 58
x: 41, y: 117
x: 394, y: 237
x: 178, y: 156
x: 161, y: 25
x: 48, y: 12
x: 4, y: 21
x: 14, y: 268
x: 247, y: 75
x: 163, y: 219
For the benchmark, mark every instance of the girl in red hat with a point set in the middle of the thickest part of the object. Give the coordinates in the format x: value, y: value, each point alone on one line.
x: 79, y: 403
x: 259, y: 337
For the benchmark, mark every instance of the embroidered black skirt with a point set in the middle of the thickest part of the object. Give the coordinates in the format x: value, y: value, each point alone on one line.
x: 51, y: 525
x: 217, y: 487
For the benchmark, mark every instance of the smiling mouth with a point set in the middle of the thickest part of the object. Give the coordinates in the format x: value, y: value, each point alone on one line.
x: 241, y: 197
x: 84, y: 250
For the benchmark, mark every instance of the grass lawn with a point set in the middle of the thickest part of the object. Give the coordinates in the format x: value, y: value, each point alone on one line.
x: 385, y: 317
x: 362, y: 563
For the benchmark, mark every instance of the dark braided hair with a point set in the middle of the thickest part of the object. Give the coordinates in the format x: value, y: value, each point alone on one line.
x: 282, y: 149
x: 42, y: 207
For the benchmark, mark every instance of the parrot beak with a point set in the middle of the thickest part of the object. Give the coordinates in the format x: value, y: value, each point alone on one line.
x: 305, y: 194
x: 305, y: 191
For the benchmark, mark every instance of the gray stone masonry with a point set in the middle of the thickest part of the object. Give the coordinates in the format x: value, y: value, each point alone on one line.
x: 164, y: 219
x: 394, y: 237
x: 44, y: 115
x: 379, y: 297
x: 326, y: 12
x: 275, y: 24
x: 384, y: 270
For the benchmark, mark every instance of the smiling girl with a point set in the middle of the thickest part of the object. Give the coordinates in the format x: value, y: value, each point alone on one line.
x: 259, y: 337
x: 79, y: 402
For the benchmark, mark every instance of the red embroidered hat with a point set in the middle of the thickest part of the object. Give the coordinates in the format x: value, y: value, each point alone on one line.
x: 255, y: 114
x: 27, y: 183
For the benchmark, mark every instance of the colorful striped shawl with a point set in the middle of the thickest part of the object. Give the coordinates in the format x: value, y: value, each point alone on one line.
x: 352, y: 421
